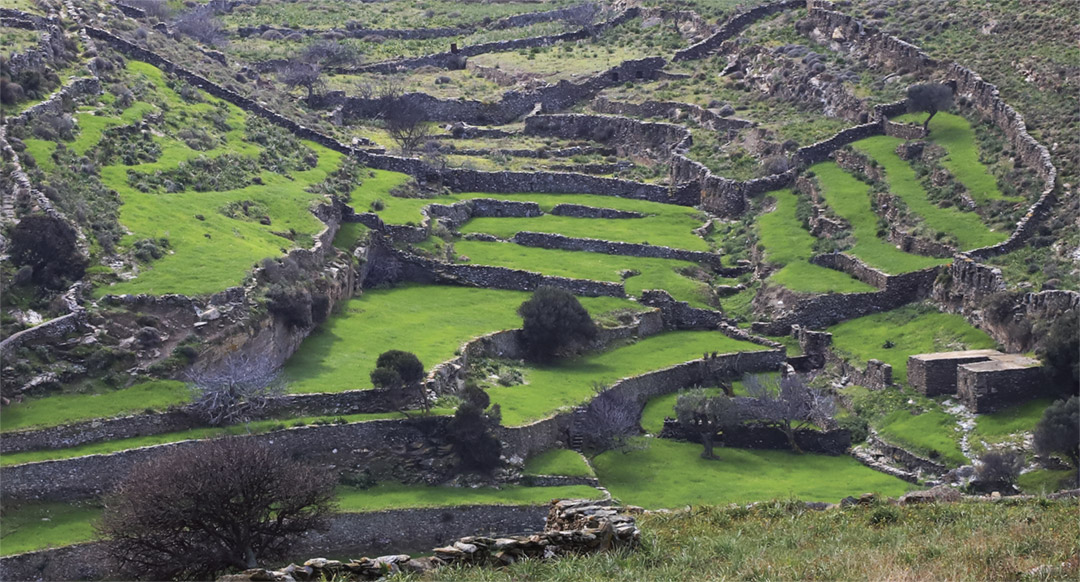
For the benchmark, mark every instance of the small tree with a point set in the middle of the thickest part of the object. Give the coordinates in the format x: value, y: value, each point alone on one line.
x: 302, y: 74
x: 930, y: 98
x: 330, y: 53
x: 999, y: 468
x: 707, y: 415
x: 400, y: 369
x: 202, y: 26
x: 554, y: 320
x: 50, y: 247
x: 236, y: 389
x: 472, y: 431
x: 1057, y: 432
x: 790, y: 405
x: 199, y: 510
x: 405, y: 122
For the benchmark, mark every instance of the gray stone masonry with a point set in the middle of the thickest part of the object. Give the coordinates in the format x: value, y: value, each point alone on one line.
x: 1002, y: 381
x: 934, y: 374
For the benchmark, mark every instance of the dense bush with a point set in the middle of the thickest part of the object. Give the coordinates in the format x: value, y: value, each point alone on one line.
x: 50, y: 247
x: 127, y: 147
x: 282, y: 152
x: 396, y: 368
x: 1057, y: 430
x: 202, y: 174
x: 472, y: 432
x: 1060, y: 350
x: 554, y: 321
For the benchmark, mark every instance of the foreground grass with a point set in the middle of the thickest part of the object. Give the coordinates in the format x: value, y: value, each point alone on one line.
x: 394, y: 496
x: 45, y: 525
x: 672, y: 474
x: 912, y: 329
x: 654, y: 273
x: 783, y: 541
x: 67, y: 408
x: 558, y: 462
x: 430, y: 321
x: 552, y: 387
x: 789, y: 245
x: 966, y: 227
x: 850, y: 200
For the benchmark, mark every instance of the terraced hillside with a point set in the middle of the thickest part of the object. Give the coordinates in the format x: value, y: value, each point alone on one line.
x: 740, y: 197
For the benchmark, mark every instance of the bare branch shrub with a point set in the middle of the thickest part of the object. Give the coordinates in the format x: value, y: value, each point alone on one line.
x: 791, y: 405
x: 202, y: 26
x: 239, y: 387
x: 200, y: 510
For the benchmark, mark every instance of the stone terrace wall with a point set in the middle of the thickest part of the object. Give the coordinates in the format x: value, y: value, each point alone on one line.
x: 735, y: 25
x: 824, y: 310
x: 854, y: 267
x: 452, y: 60
x: 636, y: 391
x: 670, y: 110
x: 649, y: 139
x: 558, y: 241
x: 513, y: 105
x: 876, y: 47
x: 457, y: 179
x: 344, y: 446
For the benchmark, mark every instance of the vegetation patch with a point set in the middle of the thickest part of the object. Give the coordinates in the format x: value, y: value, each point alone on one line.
x: 559, y: 462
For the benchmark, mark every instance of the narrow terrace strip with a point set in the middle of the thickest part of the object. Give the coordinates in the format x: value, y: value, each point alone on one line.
x: 955, y: 134
x: 850, y: 199
x: 653, y: 273
x: 967, y: 227
x: 790, y: 246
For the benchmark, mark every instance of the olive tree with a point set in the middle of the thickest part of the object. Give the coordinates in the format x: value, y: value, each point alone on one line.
x: 1058, y: 432
x: 929, y: 98
x: 707, y: 415
x: 400, y: 369
x: 790, y: 405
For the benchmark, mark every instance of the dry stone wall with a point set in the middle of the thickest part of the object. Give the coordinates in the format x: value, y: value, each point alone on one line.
x: 558, y: 241
x: 833, y: 442
x: 735, y: 25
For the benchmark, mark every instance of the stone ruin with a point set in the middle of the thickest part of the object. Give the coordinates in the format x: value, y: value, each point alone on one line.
x: 984, y: 380
x: 574, y: 526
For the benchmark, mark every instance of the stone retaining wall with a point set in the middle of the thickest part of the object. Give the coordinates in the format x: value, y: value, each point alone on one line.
x: 455, y: 59
x: 558, y: 241
x: 581, y: 211
x: 383, y: 445
x: 733, y: 27
x: 824, y: 310
x: 671, y: 110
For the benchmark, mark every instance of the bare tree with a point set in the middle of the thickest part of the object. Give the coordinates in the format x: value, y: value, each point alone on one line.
x: 199, y: 510
x: 330, y: 53
x: 201, y: 25
x: 241, y: 386
x: 302, y: 74
x: 707, y: 415
x: 790, y: 405
x: 931, y: 98
x: 407, y: 127
x: 611, y: 419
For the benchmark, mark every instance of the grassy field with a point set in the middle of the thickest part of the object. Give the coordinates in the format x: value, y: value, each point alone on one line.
x: 672, y: 474
x: 559, y: 462
x: 393, y: 496
x: 655, y: 273
x: 785, y: 541
x: 36, y: 526
x: 66, y: 408
x: 430, y: 321
x: 955, y: 134
x: 912, y: 329
x: 850, y: 199
x: 966, y: 227
x: 789, y: 245
x: 567, y: 383
x: 1043, y: 481
x: 932, y: 434
x: 255, y: 427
